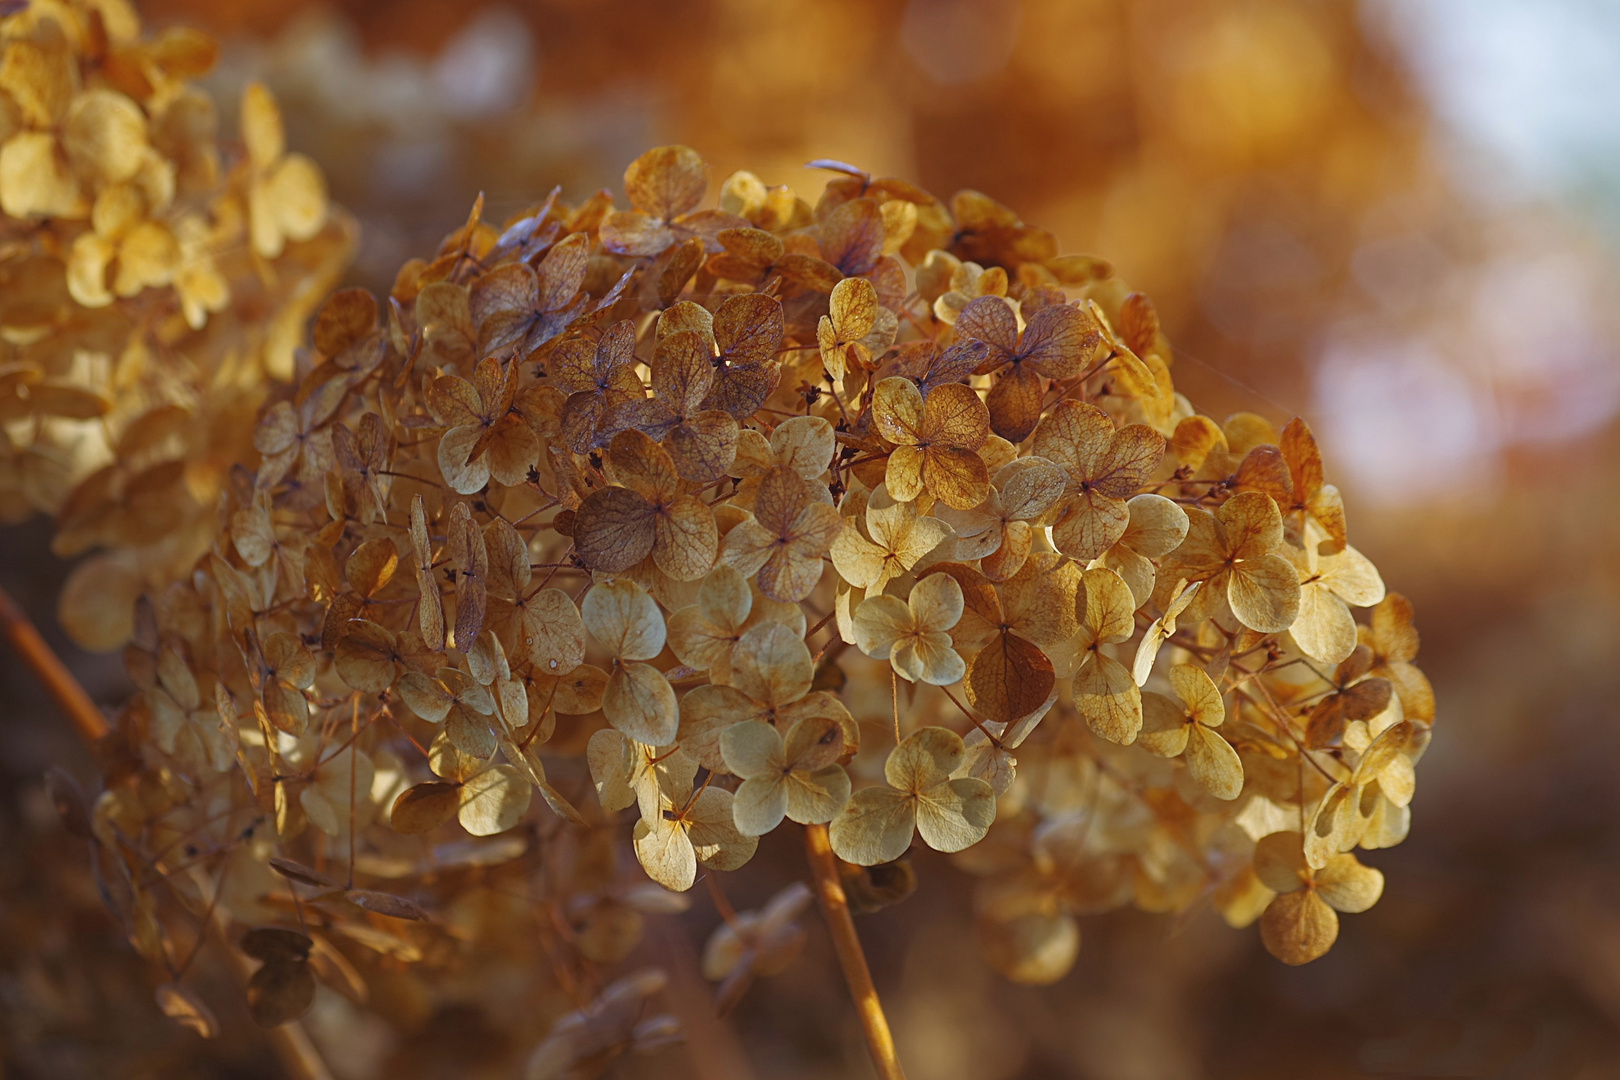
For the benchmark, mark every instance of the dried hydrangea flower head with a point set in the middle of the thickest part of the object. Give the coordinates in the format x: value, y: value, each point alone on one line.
x: 876, y: 518
x: 156, y: 278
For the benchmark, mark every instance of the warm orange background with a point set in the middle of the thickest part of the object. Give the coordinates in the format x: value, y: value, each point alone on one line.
x: 1266, y: 170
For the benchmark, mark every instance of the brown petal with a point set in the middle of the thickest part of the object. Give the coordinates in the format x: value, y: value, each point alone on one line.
x: 852, y: 237
x: 1008, y: 678
x: 425, y: 807
x: 666, y: 181
x: 1015, y: 402
x: 748, y: 329
x: 1058, y: 341
x: 990, y: 319
x: 1298, y: 927
x: 704, y: 447
x: 614, y: 529
x: 686, y: 538
x: 629, y: 233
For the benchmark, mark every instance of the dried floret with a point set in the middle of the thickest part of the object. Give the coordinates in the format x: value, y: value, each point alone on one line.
x: 1394, y: 642
x: 681, y: 828
x: 771, y: 678
x: 900, y: 539
x: 921, y: 798
x: 936, y: 442
x: 1104, y: 691
x: 1236, y: 553
x: 1105, y: 468
x: 637, y: 700
x: 914, y: 634
x: 796, y: 776
x: 1057, y: 343
x: 1187, y: 728
x: 786, y: 539
x: 999, y: 532
x: 665, y: 186
x: 1329, y: 585
x: 645, y: 512
x: 702, y: 442
x: 1302, y: 922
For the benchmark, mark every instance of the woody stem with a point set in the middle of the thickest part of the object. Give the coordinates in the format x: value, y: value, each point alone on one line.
x: 53, y: 675
x: 292, y: 1044
x: 835, y: 906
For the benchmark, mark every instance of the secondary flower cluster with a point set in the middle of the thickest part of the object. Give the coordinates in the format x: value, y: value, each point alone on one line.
x: 879, y: 514
x: 154, y: 281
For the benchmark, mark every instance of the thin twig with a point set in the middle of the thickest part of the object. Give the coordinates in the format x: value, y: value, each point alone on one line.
x: 52, y: 674
x: 835, y: 906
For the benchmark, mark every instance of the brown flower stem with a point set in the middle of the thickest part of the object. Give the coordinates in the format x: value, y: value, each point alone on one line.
x: 835, y: 906
x: 290, y: 1041
x: 53, y: 675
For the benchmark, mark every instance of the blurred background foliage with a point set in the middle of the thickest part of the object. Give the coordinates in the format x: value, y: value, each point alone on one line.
x: 1396, y: 218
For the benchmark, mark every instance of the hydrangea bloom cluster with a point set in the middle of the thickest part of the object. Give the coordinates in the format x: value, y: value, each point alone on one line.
x: 879, y: 516
x: 155, y: 280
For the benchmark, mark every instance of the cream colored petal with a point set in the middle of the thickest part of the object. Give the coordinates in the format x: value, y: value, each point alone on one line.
x: 989, y: 762
x: 708, y: 711
x: 815, y: 798
x: 875, y: 826
x: 772, y: 665
x: 1109, y: 609
x: 1029, y: 487
x: 665, y: 853
x: 753, y: 749
x: 760, y: 804
x: 626, y: 620
x: 805, y: 444
x: 639, y: 702
x: 1324, y: 629
x: 494, y: 800
x: 1138, y: 572
x: 956, y: 814
x: 1213, y: 763
x: 1347, y: 886
x: 1264, y: 593
x: 936, y: 602
x: 929, y: 658
x: 1158, y: 526
x: 748, y: 546
x: 903, y: 474
x: 1352, y: 577
x: 880, y: 622
x: 1199, y: 694
x: 1164, y: 726
x: 857, y: 560
x: 925, y: 757
x: 1279, y: 861
x: 1334, y: 827
x: 715, y: 839
x: 1107, y: 697
x: 724, y: 597
x: 464, y: 475
x: 1253, y: 524
x: 1160, y: 631
x: 609, y: 754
